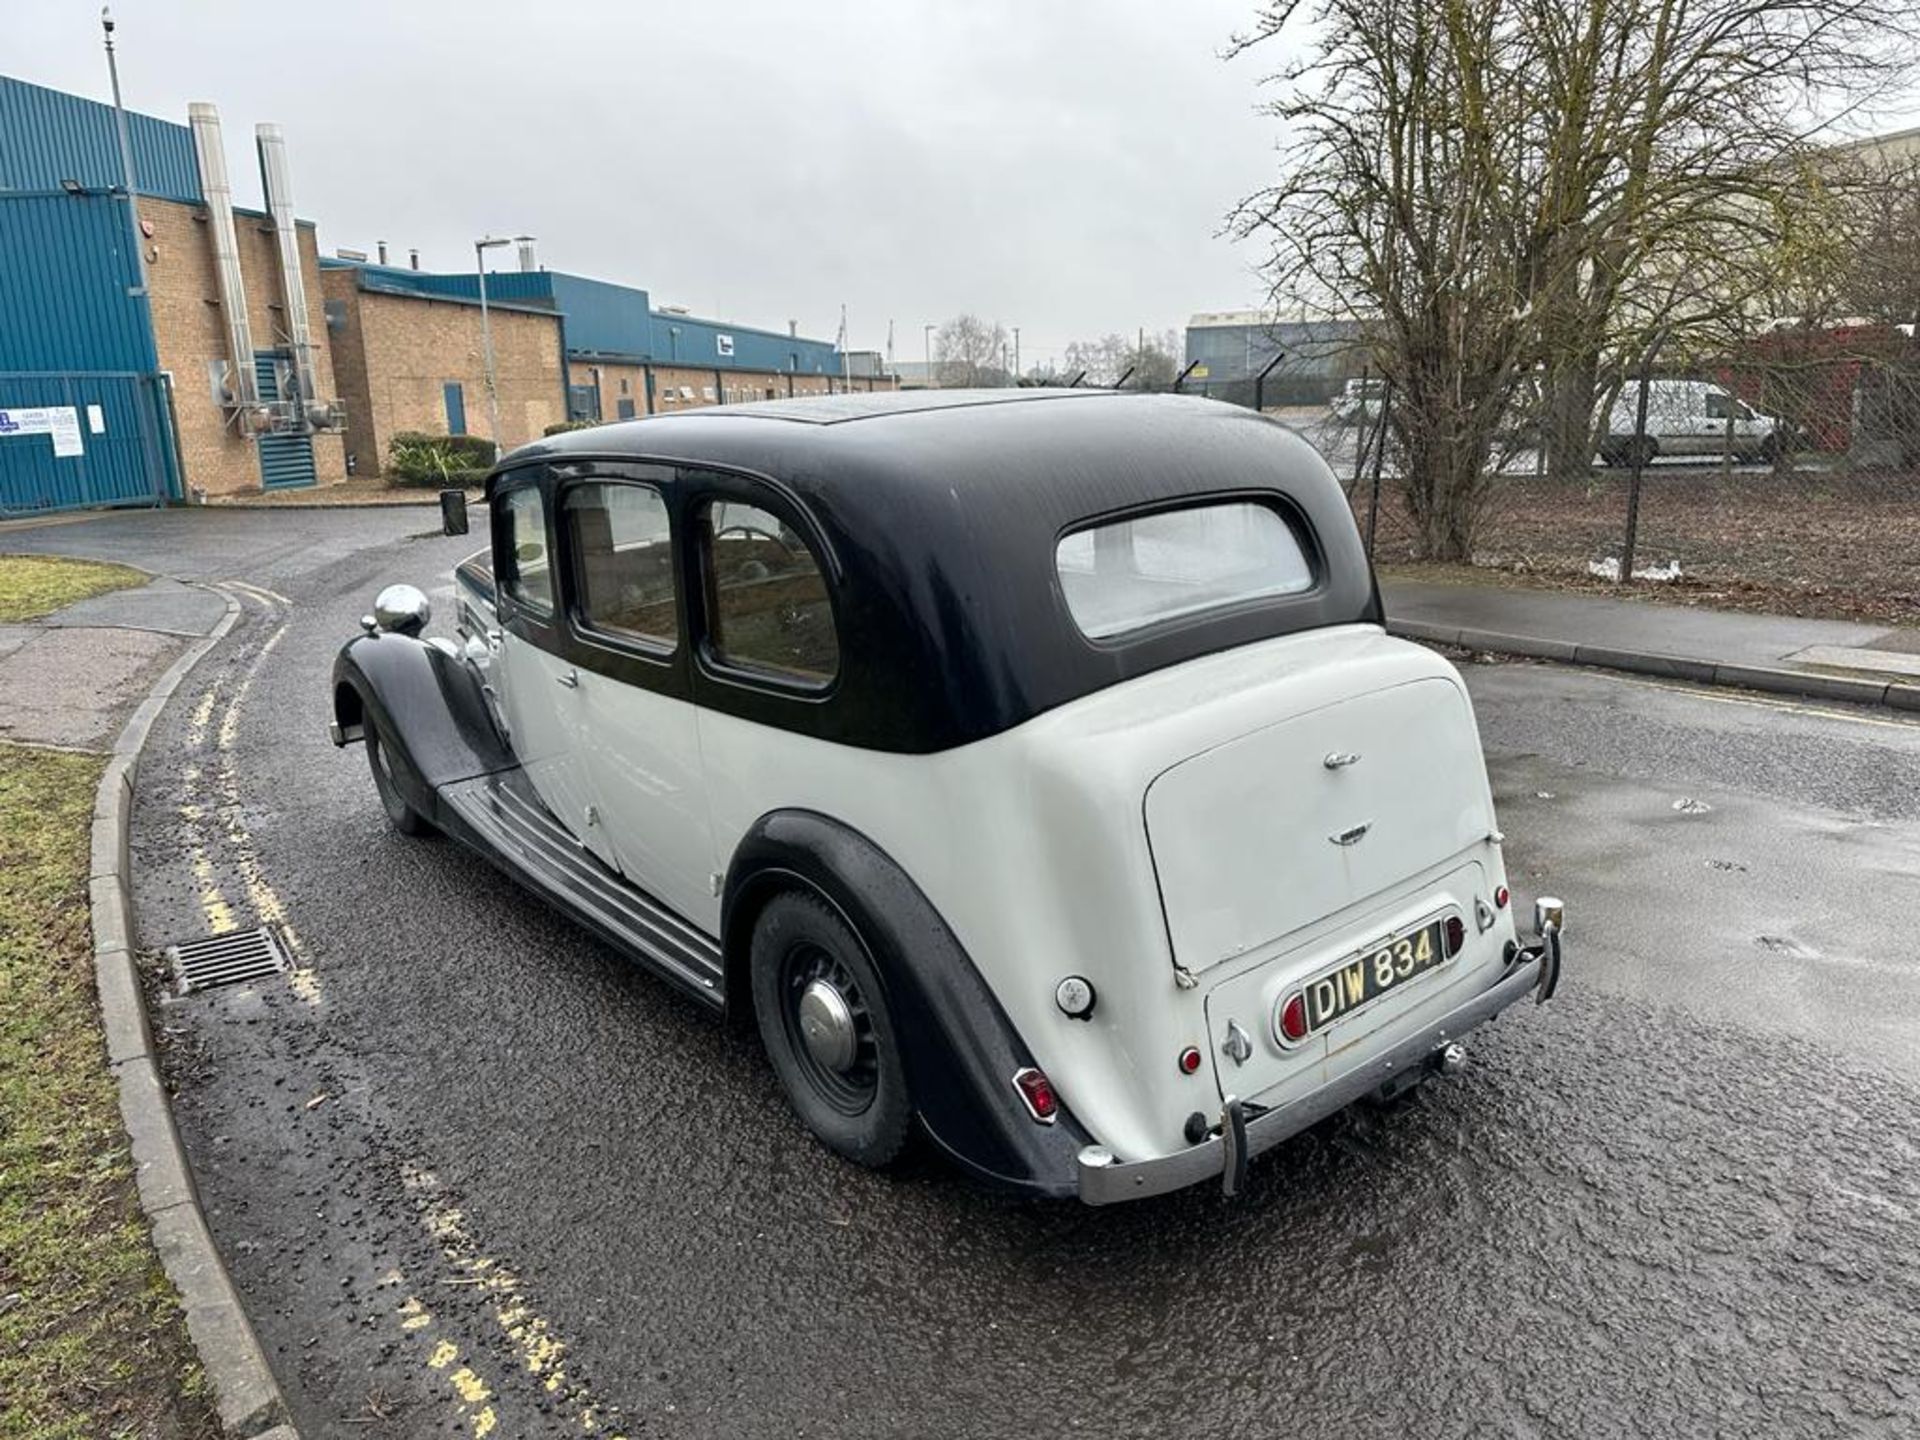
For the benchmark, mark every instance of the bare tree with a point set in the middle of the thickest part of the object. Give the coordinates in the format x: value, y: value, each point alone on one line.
x: 1518, y: 196
x: 1396, y: 206
x: 1148, y: 360
x: 970, y: 352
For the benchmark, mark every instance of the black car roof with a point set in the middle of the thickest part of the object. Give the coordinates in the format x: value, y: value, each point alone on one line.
x: 943, y: 510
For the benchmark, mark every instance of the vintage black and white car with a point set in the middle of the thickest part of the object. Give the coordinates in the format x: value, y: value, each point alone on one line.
x: 1030, y: 768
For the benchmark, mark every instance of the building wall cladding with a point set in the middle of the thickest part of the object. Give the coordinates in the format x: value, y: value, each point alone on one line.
x: 192, y: 340
x: 403, y: 350
x: 66, y: 272
x: 51, y: 136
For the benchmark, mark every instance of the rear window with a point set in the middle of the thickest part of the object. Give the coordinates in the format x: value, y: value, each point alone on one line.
x: 1134, y: 573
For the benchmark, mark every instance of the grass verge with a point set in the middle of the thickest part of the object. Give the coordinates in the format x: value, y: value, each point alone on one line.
x: 36, y: 585
x: 91, y: 1338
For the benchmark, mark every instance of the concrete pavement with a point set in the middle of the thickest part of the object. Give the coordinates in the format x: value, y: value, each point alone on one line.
x: 1822, y: 659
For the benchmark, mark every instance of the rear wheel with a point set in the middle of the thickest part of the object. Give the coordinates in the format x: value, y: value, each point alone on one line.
x: 403, y: 817
x: 823, y: 1018
x: 1640, y: 451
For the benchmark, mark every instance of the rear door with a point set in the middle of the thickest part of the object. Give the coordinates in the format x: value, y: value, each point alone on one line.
x: 627, y: 632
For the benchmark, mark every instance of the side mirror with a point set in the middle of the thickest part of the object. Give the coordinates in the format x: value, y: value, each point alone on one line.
x: 453, y: 512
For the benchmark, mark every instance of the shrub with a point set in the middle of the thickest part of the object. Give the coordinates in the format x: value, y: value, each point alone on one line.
x: 442, y: 461
x: 565, y: 425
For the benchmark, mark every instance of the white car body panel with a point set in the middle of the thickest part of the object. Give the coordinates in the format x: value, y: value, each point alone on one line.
x: 1032, y: 846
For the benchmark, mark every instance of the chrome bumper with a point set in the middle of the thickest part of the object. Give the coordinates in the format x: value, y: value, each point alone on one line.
x: 1105, y: 1180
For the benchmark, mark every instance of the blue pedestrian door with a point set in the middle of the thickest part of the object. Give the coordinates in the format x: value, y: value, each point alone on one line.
x: 456, y: 407
x: 286, y: 461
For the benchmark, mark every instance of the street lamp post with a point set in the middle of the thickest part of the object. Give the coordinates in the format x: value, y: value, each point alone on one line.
x: 926, y: 335
x: 480, y: 248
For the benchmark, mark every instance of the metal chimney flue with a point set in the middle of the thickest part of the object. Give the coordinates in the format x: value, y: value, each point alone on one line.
x: 242, y: 394
x: 276, y: 180
x: 381, y: 246
x: 413, y: 259
x: 527, y: 263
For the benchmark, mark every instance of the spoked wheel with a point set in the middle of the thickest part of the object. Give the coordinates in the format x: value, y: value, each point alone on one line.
x: 823, y: 1019
x: 403, y: 817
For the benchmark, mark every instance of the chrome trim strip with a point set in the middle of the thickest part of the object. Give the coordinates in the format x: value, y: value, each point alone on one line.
x: 527, y: 840
x: 1108, y: 1183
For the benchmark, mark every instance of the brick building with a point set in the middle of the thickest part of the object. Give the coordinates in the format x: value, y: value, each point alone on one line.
x: 166, y: 344
x: 407, y: 361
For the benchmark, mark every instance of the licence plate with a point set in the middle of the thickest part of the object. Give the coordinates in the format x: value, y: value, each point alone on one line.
x: 1366, y: 977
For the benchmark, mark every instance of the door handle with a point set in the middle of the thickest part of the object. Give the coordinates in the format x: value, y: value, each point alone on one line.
x: 571, y: 679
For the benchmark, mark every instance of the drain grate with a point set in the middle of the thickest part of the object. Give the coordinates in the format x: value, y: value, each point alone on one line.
x: 227, y: 959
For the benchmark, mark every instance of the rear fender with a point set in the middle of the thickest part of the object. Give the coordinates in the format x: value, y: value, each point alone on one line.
x: 961, y: 1051
x: 430, y: 709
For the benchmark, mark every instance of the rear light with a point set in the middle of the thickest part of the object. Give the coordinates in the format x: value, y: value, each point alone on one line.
x: 1293, y: 1018
x: 1189, y: 1061
x: 1036, y: 1093
x: 1456, y: 929
x: 1500, y: 897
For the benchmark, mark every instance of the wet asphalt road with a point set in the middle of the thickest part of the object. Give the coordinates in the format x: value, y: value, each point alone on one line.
x: 474, y: 1175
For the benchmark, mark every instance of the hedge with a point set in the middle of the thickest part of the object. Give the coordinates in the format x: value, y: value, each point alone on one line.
x: 441, y: 461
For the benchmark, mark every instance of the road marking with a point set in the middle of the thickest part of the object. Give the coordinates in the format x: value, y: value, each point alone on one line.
x: 1765, y: 702
x: 472, y: 1395
x: 259, y: 590
x: 540, y: 1350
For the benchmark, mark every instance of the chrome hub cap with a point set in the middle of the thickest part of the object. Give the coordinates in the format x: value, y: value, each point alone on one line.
x: 827, y: 1027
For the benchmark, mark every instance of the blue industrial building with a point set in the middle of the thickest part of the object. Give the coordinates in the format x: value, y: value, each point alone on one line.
x: 607, y: 325
x: 115, y: 388
x: 76, y: 329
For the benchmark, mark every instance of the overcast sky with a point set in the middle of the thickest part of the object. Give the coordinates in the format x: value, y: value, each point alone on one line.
x: 1061, y: 166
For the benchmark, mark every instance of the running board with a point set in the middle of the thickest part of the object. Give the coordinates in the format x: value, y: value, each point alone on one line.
x: 501, y: 817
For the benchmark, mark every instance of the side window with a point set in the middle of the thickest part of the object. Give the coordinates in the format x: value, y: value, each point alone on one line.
x: 770, y: 612
x: 1719, y: 407
x: 623, y: 554
x: 527, y: 573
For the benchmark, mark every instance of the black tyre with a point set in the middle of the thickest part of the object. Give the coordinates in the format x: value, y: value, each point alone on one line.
x: 404, y: 818
x: 823, y: 1018
x: 1639, y: 452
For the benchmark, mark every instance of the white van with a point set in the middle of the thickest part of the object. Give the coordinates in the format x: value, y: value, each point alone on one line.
x: 1689, y: 417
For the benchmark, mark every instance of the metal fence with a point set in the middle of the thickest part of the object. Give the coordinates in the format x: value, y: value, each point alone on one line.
x: 1786, y: 478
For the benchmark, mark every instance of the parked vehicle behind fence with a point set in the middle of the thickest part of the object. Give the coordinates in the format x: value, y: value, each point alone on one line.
x: 1028, y: 768
x: 1688, y: 418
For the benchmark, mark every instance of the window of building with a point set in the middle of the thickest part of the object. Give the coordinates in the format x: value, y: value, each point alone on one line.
x: 625, y: 386
x: 623, y: 562
x: 525, y: 560
x: 707, y: 391
x: 1134, y: 573
x: 769, y: 609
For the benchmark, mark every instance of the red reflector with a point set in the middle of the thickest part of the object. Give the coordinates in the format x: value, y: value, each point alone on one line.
x: 1500, y: 897
x: 1293, y: 1017
x: 1037, y: 1091
x: 1189, y: 1060
x: 1456, y: 934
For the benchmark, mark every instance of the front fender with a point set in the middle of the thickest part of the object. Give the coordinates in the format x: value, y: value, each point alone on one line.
x: 961, y: 1051
x: 430, y: 710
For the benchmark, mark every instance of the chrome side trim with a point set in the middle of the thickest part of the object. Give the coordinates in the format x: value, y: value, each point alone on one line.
x: 1113, y: 1181
x: 519, y: 833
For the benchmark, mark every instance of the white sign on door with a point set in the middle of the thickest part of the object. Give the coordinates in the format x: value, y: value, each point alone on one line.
x: 62, y: 422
